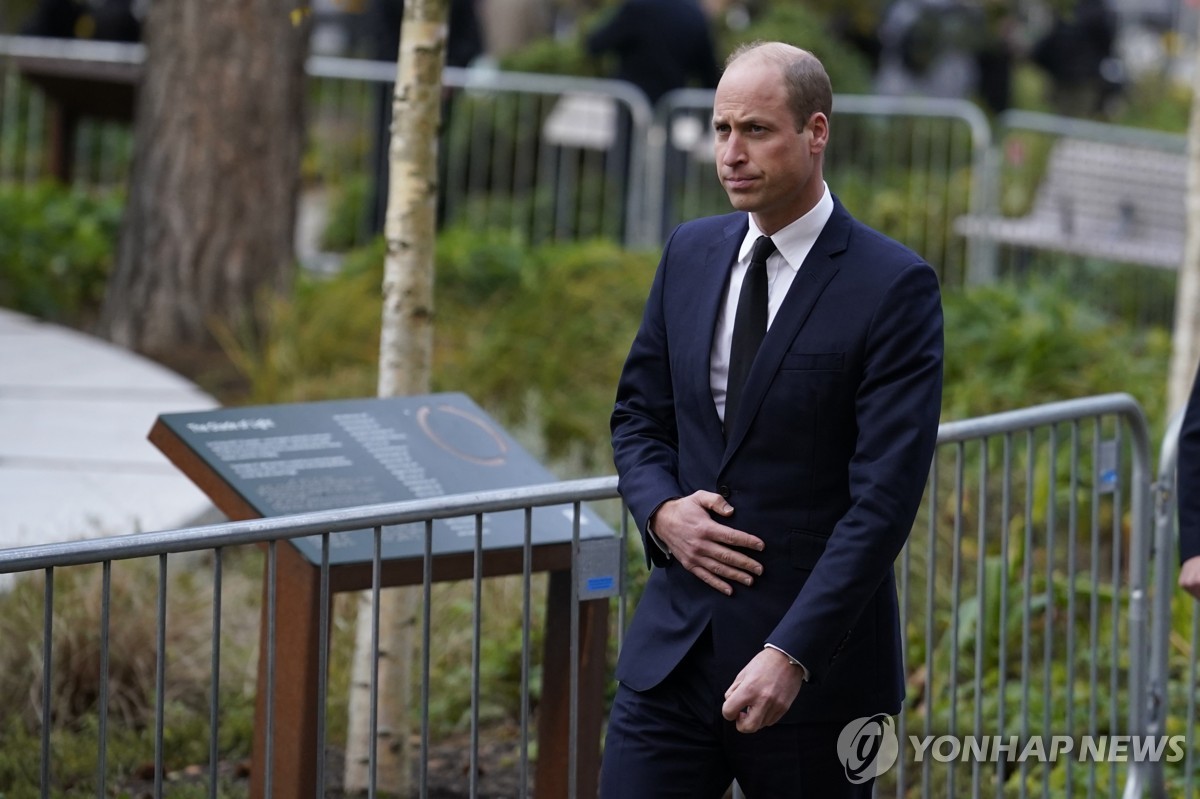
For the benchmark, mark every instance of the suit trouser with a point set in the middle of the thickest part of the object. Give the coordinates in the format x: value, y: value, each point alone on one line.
x: 671, y: 741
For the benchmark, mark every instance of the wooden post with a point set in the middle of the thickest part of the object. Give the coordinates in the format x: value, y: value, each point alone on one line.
x: 553, y: 779
x: 291, y: 713
x: 293, y: 719
x: 297, y: 640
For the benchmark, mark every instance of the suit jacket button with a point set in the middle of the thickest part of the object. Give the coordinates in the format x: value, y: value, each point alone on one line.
x: 724, y: 491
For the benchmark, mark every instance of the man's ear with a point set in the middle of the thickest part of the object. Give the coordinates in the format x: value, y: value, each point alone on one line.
x: 818, y: 123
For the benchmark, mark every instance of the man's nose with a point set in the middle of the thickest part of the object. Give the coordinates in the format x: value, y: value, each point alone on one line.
x: 733, y: 151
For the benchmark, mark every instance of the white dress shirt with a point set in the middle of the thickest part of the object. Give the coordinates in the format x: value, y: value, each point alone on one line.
x: 792, y: 246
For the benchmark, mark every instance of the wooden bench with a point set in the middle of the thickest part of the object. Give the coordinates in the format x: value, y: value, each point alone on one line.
x: 1108, y: 201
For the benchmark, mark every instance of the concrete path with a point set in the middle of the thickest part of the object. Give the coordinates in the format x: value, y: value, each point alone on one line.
x: 74, y: 459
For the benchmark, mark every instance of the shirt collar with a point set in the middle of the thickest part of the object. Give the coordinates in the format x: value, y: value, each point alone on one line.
x: 797, y: 238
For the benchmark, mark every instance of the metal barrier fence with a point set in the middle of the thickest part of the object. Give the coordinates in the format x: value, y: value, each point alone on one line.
x: 547, y: 157
x: 1024, y: 589
x: 1026, y: 592
x: 37, y: 138
x: 1174, y: 663
x: 551, y: 157
x: 904, y: 165
x: 1097, y: 208
x: 558, y: 158
x: 286, y: 765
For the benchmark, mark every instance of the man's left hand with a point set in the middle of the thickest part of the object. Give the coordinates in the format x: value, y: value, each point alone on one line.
x: 763, y: 691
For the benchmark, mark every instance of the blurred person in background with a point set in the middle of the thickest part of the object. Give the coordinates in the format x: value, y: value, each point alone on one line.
x: 104, y: 20
x: 1188, y: 491
x: 660, y: 45
x: 464, y: 43
x: 1077, y: 54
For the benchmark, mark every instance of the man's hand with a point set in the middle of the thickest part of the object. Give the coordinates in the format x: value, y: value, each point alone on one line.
x: 1189, y: 576
x: 763, y: 691
x: 703, y: 546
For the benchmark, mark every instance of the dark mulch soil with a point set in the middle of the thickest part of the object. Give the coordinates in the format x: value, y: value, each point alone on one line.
x: 448, y: 772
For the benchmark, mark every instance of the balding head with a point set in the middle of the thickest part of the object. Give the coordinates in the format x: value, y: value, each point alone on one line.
x: 804, y: 77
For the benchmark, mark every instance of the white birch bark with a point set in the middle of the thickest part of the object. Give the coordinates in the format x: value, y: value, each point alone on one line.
x: 405, y: 367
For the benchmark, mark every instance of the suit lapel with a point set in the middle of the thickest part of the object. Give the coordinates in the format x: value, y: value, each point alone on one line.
x: 817, y: 270
x: 702, y: 296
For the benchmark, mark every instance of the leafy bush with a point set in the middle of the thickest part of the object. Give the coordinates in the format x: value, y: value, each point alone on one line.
x: 565, y: 55
x: 57, y: 246
x: 536, y: 336
x: 796, y: 24
x: 132, y: 659
x: 347, y: 220
x: 1010, y: 347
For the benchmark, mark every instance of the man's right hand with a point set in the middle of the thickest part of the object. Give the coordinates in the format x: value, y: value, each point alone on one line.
x: 703, y: 546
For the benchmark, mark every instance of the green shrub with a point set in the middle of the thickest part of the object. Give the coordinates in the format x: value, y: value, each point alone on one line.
x: 796, y: 24
x: 132, y: 660
x: 536, y: 336
x: 347, y: 214
x: 1011, y: 346
x: 557, y: 56
x: 57, y: 247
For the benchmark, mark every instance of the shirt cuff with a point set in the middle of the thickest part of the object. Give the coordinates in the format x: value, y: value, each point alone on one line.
x: 658, y: 542
x: 791, y: 659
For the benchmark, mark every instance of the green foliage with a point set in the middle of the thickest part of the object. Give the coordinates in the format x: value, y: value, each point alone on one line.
x: 1157, y: 102
x: 1010, y: 347
x: 548, y: 347
x: 56, y: 249
x: 321, y: 343
x: 797, y: 24
x: 537, y: 336
x: 347, y: 214
x: 132, y: 654
x: 553, y: 55
x: 499, y: 657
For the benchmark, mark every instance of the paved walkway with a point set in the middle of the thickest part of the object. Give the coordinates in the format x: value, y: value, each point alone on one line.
x: 74, y: 459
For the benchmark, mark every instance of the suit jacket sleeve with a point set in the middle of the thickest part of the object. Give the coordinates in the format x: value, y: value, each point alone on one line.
x: 897, y: 407
x: 645, y: 438
x: 1188, y: 481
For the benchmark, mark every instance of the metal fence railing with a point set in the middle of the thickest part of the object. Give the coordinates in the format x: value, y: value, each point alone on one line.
x: 292, y: 727
x: 904, y: 165
x: 553, y: 157
x: 547, y: 157
x: 1100, y: 208
x: 1097, y: 207
x: 1024, y: 592
x: 1174, y: 675
x: 1035, y: 603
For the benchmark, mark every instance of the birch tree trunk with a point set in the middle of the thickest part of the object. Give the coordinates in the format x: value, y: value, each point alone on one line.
x: 210, y: 220
x: 405, y: 366
x: 1185, y: 349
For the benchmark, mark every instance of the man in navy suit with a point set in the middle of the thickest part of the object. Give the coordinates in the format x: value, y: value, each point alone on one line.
x: 1188, y: 491
x: 770, y: 620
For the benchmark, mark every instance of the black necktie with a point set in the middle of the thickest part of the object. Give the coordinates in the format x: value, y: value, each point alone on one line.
x: 749, y: 326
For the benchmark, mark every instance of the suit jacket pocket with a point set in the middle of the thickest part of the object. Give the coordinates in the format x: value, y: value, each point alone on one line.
x: 813, y: 361
x: 806, y: 549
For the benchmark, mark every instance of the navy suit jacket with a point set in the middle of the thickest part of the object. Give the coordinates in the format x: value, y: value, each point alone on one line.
x: 1188, y: 482
x: 826, y: 463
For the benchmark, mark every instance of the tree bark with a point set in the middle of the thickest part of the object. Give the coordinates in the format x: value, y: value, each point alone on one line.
x: 1185, y: 349
x: 405, y: 368
x: 209, y: 222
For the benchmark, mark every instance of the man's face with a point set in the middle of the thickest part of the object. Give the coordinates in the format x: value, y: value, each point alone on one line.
x: 767, y: 167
